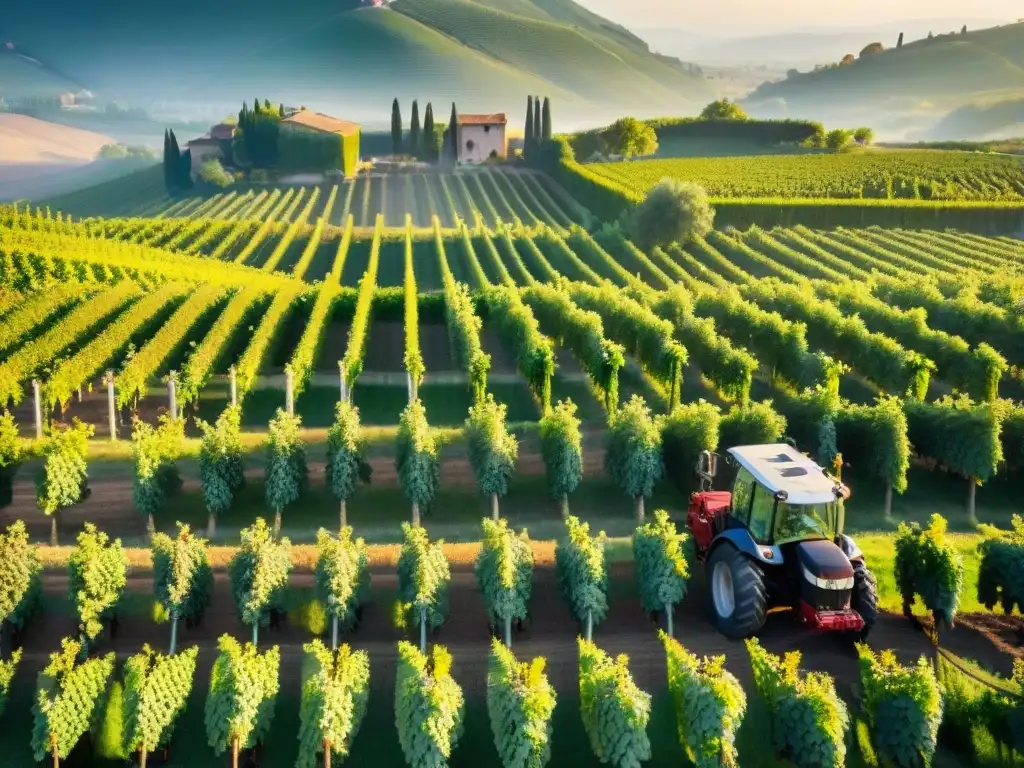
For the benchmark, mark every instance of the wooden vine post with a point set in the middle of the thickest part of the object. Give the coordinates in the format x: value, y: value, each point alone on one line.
x: 38, y: 408
x: 111, y: 405
x: 234, y: 385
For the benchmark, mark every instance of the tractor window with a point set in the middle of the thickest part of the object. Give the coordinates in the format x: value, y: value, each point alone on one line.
x: 808, y: 521
x: 761, y: 514
x: 742, y: 489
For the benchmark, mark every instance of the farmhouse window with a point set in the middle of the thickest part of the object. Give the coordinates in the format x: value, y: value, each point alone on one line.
x: 487, y: 129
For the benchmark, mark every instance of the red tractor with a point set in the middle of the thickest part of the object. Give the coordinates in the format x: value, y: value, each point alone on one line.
x: 776, y: 543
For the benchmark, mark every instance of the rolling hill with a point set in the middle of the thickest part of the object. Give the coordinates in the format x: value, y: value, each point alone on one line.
x: 486, y: 54
x: 940, y: 73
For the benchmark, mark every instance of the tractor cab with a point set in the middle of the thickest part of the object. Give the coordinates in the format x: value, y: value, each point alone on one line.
x: 780, y: 533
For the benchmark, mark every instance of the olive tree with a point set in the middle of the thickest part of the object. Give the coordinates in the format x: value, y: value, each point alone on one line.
x: 154, y: 453
x: 346, y: 464
x: 10, y: 457
x: 20, y: 577
x: 182, y: 577
x: 416, y: 458
x: 259, y: 573
x: 63, y: 480
x: 220, y: 463
x: 287, y: 471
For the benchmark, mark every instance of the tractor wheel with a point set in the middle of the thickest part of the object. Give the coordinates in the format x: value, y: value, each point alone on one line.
x: 864, y: 599
x: 737, y: 593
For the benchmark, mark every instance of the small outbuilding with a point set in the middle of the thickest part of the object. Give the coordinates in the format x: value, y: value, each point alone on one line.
x: 311, y: 141
x: 482, y: 137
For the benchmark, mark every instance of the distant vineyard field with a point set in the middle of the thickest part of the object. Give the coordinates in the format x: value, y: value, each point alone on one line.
x: 875, y: 174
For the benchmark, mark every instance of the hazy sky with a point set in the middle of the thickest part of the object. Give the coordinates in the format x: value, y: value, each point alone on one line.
x: 753, y: 16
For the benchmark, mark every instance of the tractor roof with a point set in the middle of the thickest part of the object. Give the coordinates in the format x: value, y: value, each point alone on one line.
x: 783, y: 468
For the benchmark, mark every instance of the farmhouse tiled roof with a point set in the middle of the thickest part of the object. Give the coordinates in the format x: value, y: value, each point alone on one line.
x: 321, y: 122
x: 494, y: 119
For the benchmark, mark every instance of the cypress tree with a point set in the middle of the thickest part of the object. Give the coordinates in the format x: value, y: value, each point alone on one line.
x: 280, y: 110
x: 536, y: 122
x: 899, y: 43
x: 546, y: 120
x: 174, y: 162
x: 453, y: 135
x: 528, y: 135
x: 266, y: 105
x: 414, y: 129
x: 429, y: 138
x: 167, y: 160
x: 396, y: 128
x: 185, y: 170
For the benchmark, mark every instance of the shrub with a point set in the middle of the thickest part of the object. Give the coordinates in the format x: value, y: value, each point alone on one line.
x: 259, y: 575
x: 68, y: 700
x: 335, y: 691
x: 346, y: 464
x: 8, y: 668
x: 1001, y: 571
x: 520, y: 702
x: 809, y: 720
x: 20, y: 576
x: 213, y: 173
x: 661, y: 568
x: 633, y: 459
x: 673, y: 211
x: 154, y: 453
x: 342, y: 578
x: 97, y: 572
x: 615, y: 711
x: 243, y: 691
x: 903, y: 707
x: 504, y: 571
x: 10, y: 457
x: 423, y: 580
x: 220, y: 463
x: 493, y: 450
x: 928, y: 566
x: 709, y: 704
x: 838, y: 138
x: 583, y: 573
x: 63, y: 480
x: 182, y: 577
x: 561, y: 446
x: 156, y: 689
x: 428, y: 706
x: 287, y: 475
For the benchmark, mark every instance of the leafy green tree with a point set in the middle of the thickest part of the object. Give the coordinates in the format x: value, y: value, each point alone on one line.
x: 520, y: 703
x: 630, y: 137
x: 182, y: 577
x: 633, y: 459
x: 155, y: 452
x: 212, y: 172
x: 928, y: 565
x: 20, y: 577
x: 335, y: 692
x: 241, y: 698
x: 346, y: 463
x: 1001, y: 572
x: 871, y: 48
x: 11, y: 456
x: 287, y: 472
x: 8, y: 668
x: 709, y: 704
x: 723, y: 109
x: 429, y: 706
x: 864, y: 135
x: 809, y: 719
x: 97, y: 573
x: 583, y: 574
x: 429, y: 135
x: 414, y: 130
x: 396, y: 128
x: 453, y: 136
x: 689, y: 429
x: 63, y: 480
x: 67, y: 703
x: 493, y: 449
x: 661, y: 568
x: 673, y: 211
x: 220, y: 463
x: 545, y: 120
x: 423, y: 582
x: 903, y: 705
x: 342, y: 578
x: 156, y: 689
x: 259, y: 574
x: 561, y: 446
x: 615, y: 711
x: 838, y: 138
x: 504, y: 571
x: 416, y: 459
